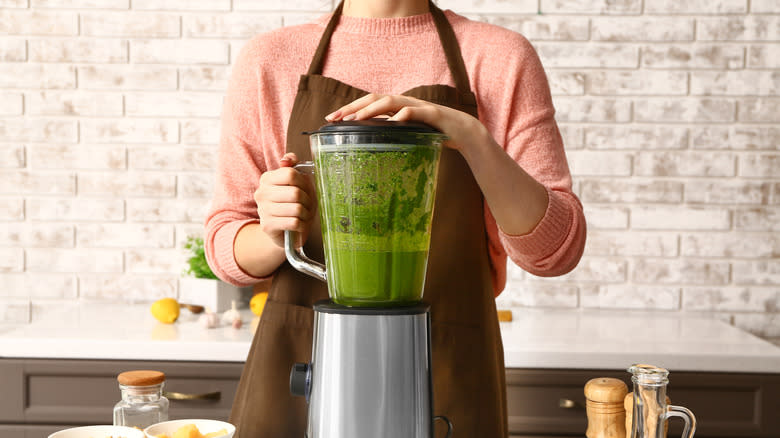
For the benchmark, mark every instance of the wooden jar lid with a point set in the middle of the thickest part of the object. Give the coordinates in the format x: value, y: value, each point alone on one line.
x: 605, y: 390
x: 141, y: 378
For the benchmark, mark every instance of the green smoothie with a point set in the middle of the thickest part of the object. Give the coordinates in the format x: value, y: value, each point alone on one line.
x: 376, y: 204
x: 366, y: 278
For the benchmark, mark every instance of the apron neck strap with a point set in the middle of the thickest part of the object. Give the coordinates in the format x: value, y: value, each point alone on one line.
x: 446, y: 36
x: 315, y: 68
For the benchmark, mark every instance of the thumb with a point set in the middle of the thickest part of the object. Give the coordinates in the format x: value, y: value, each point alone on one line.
x: 288, y: 160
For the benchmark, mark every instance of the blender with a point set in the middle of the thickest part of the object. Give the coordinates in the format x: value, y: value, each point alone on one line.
x: 370, y: 369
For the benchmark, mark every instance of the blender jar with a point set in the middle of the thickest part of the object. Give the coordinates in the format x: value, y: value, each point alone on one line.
x: 376, y: 184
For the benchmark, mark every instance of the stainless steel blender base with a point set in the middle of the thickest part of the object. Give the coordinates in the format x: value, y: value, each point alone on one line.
x: 370, y: 373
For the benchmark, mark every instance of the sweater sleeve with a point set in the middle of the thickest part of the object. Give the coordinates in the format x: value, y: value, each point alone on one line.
x: 239, y: 166
x: 555, y: 245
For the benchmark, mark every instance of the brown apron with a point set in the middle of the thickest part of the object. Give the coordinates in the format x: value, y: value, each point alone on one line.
x: 468, y: 357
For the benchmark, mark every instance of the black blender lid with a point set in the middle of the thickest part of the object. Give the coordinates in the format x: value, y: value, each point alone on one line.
x: 374, y: 125
x: 328, y: 306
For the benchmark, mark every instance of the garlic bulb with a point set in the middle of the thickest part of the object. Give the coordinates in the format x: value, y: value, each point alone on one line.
x: 209, y: 320
x: 231, y: 315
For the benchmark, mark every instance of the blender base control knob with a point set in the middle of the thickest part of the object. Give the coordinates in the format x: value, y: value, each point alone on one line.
x: 300, y: 380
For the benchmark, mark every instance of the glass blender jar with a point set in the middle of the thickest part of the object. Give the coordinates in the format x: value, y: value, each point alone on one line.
x: 376, y: 184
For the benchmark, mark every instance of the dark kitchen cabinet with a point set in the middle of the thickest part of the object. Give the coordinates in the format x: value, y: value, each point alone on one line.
x: 552, y: 403
x: 38, y: 397
x: 42, y: 396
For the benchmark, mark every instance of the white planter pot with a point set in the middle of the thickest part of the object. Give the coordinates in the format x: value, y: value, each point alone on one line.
x: 215, y: 295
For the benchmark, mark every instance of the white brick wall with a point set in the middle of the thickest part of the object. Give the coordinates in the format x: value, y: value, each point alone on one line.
x: 109, y: 117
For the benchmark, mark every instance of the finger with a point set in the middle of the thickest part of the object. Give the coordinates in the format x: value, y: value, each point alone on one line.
x: 268, y: 193
x: 288, y: 160
x: 284, y: 176
x: 274, y: 214
x: 427, y: 114
x: 386, y: 105
x: 288, y: 194
x: 274, y: 224
x: 287, y: 209
x: 352, y: 107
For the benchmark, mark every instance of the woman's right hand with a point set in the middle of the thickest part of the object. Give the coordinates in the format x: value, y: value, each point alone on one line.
x: 285, y: 202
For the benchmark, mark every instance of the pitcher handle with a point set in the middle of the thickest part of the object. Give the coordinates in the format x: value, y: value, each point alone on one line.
x: 686, y: 415
x: 299, y: 260
x: 449, y: 424
x: 296, y: 256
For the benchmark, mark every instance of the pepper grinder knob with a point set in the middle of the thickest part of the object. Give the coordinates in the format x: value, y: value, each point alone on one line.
x: 604, y: 406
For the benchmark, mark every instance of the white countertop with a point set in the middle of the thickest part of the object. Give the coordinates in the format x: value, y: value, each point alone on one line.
x: 599, y: 339
x: 537, y: 338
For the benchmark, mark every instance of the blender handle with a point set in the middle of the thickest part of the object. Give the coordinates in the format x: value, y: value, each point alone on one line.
x: 686, y: 415
x: 296, y: 256
x: 299, y: 260
x: 446, y: 420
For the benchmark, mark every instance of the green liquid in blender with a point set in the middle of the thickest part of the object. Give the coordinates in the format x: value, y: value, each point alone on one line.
x: 365, y: 278
x: 375, y: 208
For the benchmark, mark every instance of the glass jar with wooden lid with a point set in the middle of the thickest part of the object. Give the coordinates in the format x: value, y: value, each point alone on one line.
x: 143, y: 403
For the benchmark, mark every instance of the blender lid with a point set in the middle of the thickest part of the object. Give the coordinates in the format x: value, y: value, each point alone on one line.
x: 375, y: 125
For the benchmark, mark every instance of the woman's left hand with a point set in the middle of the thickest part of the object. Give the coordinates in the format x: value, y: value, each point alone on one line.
x: 462, y: 129
x: 518, y: 202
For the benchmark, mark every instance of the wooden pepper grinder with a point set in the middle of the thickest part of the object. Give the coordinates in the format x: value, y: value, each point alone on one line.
x: 604, y: 406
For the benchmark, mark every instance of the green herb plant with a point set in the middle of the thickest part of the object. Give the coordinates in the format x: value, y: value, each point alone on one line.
x: 198, y: 267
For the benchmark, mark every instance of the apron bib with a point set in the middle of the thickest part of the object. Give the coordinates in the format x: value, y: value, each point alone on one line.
x: 467, y: 354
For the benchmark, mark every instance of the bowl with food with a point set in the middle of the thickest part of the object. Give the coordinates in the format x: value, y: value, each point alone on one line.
x: 191, y: 428
x: 101, y: 431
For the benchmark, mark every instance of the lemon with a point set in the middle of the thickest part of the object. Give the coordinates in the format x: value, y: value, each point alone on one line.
x: 165, y: 310
x: 257, y: 303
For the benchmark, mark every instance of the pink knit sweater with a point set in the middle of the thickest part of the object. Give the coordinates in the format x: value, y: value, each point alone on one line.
x: 392, y: 55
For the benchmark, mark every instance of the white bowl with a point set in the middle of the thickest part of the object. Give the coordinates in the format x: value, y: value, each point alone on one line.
x: 99, y: 432
x: 204, y: 426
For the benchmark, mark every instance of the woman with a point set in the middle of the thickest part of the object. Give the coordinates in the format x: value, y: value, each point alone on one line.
x: 504, y: 188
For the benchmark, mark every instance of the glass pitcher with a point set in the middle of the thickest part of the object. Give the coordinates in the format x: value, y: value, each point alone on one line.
x: 376, y: 184
x: 650, y: 408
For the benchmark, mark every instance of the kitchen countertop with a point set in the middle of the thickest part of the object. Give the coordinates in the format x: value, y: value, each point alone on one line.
x: 536, y: 338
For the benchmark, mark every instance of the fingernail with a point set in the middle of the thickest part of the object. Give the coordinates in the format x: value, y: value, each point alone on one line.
x: 287, y: 158
x: 349, y: 117
x: 332, y: 116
